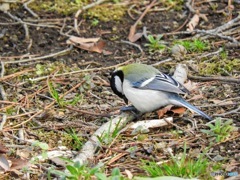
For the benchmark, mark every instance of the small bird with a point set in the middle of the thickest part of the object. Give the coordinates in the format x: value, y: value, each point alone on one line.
x: 148, y: 89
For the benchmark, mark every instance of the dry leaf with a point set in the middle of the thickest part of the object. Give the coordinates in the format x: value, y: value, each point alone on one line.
x: 132, y: 36
x: 163, y: 111
x: 18, y: 164
x: 129, y: 174
x: 193, y: 23
x: 191, y: 86
x: 80, y: 40
x: 178, y: 110
x: 89, y: 44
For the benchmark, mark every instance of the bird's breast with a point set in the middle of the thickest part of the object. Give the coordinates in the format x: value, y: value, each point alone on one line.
x: 145, y: 100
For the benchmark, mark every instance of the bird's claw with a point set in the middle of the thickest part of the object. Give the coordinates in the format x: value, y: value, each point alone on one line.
x: 132, y: 109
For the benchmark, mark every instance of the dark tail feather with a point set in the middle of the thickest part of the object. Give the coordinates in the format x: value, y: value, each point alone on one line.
x: 178, y: 101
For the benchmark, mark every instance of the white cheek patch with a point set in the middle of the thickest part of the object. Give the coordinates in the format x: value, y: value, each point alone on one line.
x: 147, y: 82
x: 118, y: 84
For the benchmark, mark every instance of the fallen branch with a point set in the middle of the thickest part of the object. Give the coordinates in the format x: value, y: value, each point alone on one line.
x: 154, y: 123
x: 215, y: 78
x: 93, y: 143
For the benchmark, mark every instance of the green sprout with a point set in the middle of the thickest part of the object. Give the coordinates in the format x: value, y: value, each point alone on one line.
x: 155, y: 44
x: 95, y: 22
x: 219, y: 131
x: 195, y: 46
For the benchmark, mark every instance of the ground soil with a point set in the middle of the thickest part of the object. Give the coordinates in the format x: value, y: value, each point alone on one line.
x: 98, y: 104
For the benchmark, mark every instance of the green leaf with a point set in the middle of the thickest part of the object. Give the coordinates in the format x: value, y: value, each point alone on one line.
x: 72, y: 170
x: 101, y: 176
x: 116, y: 172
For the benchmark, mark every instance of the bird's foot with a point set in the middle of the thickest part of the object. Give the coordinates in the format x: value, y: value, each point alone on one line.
x: 132, y: 109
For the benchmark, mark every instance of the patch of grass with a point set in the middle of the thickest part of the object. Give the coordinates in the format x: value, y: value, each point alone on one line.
x: 61, y: 101
x: 219, y: 131
x: 76, y: 140
x: 184, y: 167
x: 155, y: 44
x: 195, y: 45
x: 76, y: 171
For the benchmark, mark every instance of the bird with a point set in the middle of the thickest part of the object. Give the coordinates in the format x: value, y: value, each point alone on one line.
x: 148, y: 89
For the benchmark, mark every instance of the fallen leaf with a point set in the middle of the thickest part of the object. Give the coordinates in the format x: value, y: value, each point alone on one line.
x: 178, y: 110
x: 129, y: 174
x: 132, y: 36
x: 89, y: 44
x: 18, y: 164
x: 191, y: 86
x: 80, y: 40
x: 163, y: 111
x: 193, y: 23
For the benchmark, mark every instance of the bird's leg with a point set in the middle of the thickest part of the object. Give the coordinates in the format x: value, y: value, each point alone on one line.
x: 132, y: 109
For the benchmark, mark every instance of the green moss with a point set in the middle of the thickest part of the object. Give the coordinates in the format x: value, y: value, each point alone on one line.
x: 220, y: 67
x: 103, y: 12
x: 66, y: 7
x: 107, y: 12
x: 64, y: 139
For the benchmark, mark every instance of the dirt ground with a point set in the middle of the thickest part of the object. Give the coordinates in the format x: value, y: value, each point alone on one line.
x: 48, y: 96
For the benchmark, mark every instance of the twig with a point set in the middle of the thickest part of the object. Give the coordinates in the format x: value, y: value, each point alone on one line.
x: 162, y: 61
x: 185, y: 22
x: 133, y: 44
x: 189, y: 6
x: 215, y: 78
x: 234, y: 111
x: 23, y: 23
x: 223, y: 27
x: 215, y: 34
x: 133, y: 27
x: 211, y: 54
x: 4, y: 119
x: 2, y: 69
x: 15, y: 74
x: 41, y: 57
x: 82, y: 9
x: 25, y: 5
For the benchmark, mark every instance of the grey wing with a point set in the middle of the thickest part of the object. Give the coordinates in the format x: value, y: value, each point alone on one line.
x: 162, y: 82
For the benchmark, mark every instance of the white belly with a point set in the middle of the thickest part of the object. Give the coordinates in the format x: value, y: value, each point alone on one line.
x: 145, y: 100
